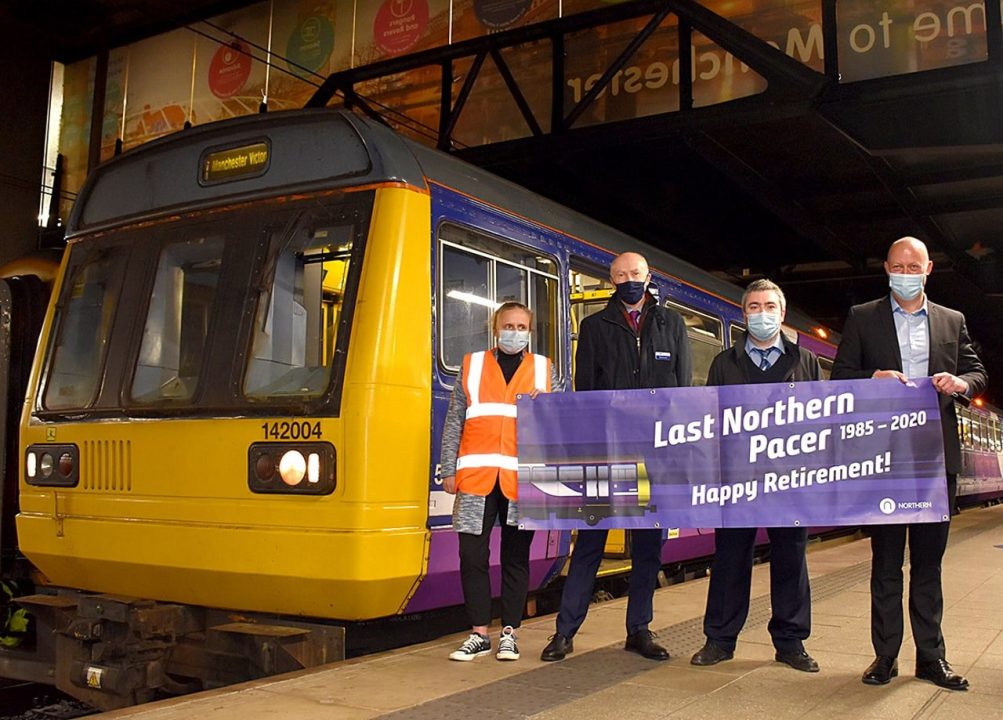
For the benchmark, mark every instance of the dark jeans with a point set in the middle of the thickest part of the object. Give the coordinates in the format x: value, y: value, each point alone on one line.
x: 927, y: 543
x: 474, y: 564
x: 731, y: 584
x: 646, y: 560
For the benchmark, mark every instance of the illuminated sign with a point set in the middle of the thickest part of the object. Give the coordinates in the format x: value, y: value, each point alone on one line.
x: 237, y: 163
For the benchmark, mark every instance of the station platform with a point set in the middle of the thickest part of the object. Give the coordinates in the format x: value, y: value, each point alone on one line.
x: 600, y: 679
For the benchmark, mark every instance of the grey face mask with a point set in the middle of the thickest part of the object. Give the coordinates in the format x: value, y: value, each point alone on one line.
x: 511, y: 342
x: 907, y: 286
x: 763, y: 326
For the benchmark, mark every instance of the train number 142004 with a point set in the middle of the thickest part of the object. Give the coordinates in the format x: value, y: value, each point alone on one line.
x: 292, y: 430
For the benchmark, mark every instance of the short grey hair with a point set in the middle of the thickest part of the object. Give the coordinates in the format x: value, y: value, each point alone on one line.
x: 764, y: 285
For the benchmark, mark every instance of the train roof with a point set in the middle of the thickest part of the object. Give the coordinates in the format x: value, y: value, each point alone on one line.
x: 309, y: 150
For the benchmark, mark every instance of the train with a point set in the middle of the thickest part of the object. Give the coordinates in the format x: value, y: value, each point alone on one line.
x: 227, y: 445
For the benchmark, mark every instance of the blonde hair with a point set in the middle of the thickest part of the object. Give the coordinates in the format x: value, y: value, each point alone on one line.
x: 505, y: 307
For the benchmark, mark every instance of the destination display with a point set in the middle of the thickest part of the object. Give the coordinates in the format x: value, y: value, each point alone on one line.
x: 234, y: 163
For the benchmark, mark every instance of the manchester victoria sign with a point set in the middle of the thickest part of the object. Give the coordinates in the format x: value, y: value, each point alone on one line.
x: 816, y: 453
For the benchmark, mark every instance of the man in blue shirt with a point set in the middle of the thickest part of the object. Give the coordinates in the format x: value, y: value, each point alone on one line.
x: 900, y: 336
x: 764, y: 355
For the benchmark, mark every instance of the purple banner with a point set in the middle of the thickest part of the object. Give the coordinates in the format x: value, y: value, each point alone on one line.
x: 846, y: 452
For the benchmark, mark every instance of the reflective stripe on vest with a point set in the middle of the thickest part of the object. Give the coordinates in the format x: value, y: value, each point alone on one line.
x: 540, y: 374
x: 494, y: 460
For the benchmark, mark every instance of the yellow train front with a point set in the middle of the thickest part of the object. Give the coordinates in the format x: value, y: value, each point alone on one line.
x: 240, y: 326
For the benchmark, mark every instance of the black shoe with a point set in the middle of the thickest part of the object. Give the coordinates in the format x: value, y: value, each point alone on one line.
x: 558, y: 647
x: 939, y: 672
x: 643, y: 643
x: 798, y: 659
x: 711, y: 654
x: 881, y: 671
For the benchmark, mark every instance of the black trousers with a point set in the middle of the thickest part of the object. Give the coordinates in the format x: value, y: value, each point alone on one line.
x: 927, y: 543
x: 475, y: 553
x: 646, y: 561
x: 731, y: 584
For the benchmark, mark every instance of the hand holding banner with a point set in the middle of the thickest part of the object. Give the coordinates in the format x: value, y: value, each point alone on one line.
x: 844, y: 452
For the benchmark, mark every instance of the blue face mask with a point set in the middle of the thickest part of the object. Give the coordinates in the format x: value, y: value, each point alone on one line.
x: 630, y: 292
x: 512, y: 342
x: 763, y: 326
x: 905, y: 285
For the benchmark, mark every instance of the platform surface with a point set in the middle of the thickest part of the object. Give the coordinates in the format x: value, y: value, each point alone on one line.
x: 600, y: 679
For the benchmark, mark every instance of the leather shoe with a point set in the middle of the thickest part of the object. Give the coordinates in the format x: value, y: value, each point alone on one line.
x: 939, y: 672
x: 643, y: 643
x: 558, y: 647
x: 711, y: 654
x: 798, y: 659
x: 881, y: 671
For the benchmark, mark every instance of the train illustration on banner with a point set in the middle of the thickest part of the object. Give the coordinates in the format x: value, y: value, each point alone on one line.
x: 591, y: 491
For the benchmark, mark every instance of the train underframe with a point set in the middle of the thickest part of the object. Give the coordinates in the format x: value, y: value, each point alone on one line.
x: 112, y: 652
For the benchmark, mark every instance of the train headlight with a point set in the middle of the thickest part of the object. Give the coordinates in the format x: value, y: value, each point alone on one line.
x: 293, y: 468
x: 52, y: 465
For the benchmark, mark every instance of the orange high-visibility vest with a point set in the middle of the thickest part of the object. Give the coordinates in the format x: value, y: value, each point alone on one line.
x: 488, y: 443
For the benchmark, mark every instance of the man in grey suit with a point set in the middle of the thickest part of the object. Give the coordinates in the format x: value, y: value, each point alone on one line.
x: 900, y: 336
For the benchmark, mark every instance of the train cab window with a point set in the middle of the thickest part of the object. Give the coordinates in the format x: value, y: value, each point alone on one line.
x: 177, y: 321
x: 477, y: 273
x: 84, y: 318
x: 706, y: 334
x: 299, y: 307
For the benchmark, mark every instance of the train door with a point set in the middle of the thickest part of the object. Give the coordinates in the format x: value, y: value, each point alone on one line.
x: 706, y: 334
x: 591, y: 290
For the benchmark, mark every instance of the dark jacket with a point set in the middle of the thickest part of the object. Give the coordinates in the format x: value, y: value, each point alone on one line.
x: 870, y: 343
x: 730, y: 367
x: 610, y: 355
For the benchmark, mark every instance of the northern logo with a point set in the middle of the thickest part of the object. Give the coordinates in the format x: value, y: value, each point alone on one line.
x: 887, y: 506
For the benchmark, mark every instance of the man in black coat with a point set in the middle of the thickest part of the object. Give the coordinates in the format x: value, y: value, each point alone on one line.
x: 899, y: 336
x: 765, y: 356
x: 633, y: 343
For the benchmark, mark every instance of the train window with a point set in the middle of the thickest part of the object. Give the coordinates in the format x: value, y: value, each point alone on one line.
x: 736, y: 334
x: 299, y: 307
x: 477, y: 274
x: 467, y: 303
x: 825, y: 365
x: 177, y: 322
x: 706, y: 334
x: 84, y: 320
x: 965, y: 427
x: 590, y: 293
x: 511, y: 284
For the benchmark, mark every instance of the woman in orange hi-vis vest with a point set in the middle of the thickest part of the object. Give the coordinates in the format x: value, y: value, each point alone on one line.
x: 479, y: 464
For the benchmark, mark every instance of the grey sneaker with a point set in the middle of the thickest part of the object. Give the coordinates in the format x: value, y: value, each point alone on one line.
x: 507, y: 649
x: 473, y: 647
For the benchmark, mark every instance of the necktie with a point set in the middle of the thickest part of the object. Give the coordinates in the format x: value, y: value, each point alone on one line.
x: 764, y: 358
x: 635, y: 318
